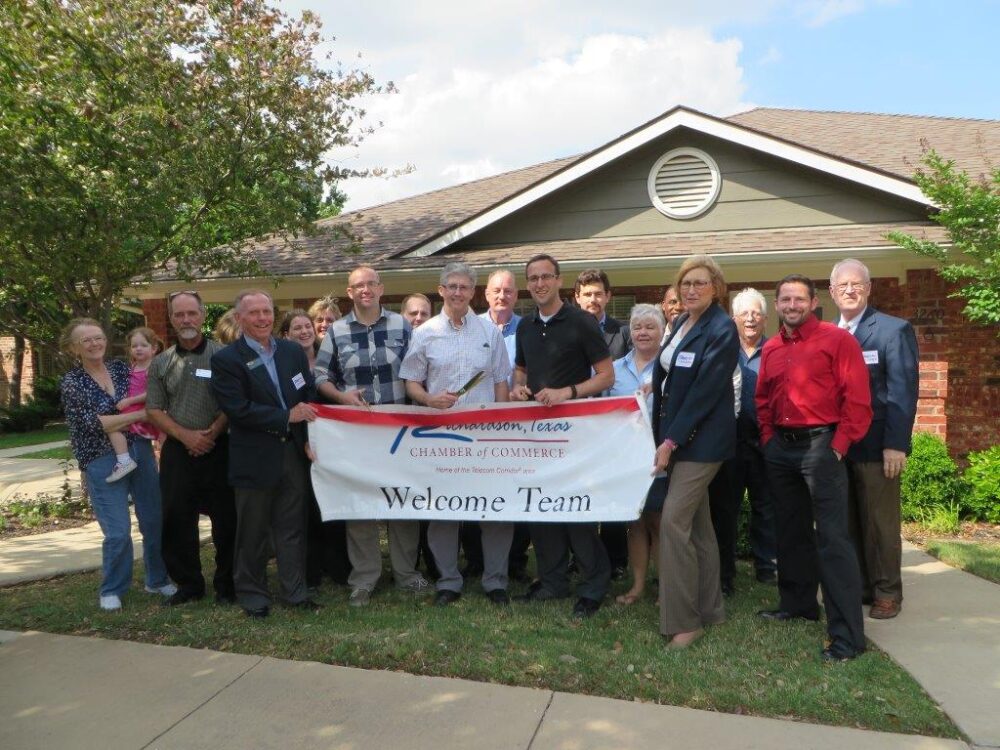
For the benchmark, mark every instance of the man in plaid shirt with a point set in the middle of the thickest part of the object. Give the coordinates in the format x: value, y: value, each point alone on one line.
x: 357, y: 365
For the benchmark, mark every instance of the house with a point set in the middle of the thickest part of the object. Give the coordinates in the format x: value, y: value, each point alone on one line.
x: 766, y: 192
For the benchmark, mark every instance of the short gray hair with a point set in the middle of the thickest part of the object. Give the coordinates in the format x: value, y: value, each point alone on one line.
x: 747, y: 298
x: 850, y: 262
x: 457, y: 269
x: 501, y: 272
x: 644, y: 311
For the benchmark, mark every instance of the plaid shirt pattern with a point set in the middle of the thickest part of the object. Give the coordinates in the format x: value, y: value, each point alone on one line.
x: 354, y: 355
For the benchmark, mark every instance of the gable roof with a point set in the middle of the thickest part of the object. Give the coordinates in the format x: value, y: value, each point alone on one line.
x: 876, y: 149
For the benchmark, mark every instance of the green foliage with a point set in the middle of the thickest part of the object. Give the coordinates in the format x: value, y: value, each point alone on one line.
x: 46, y: 391
x: 970, y: 211
x: 931, y: 487
x: 142, y: 135
x: 982, y: 500
x: 28, y: 417
x: 35, y: 511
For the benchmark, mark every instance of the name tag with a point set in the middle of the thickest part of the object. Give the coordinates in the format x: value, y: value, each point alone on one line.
x: 298, y: 381
x: 871, y: 357
x: 254, y: 363
x: 685, y: 359
x: 201, y: 372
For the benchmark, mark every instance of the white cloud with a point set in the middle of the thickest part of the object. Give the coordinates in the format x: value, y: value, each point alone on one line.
x: 467, y: 119
x: 772, y: 56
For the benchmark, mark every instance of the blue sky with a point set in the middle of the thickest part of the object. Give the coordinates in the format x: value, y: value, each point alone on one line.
x: 485, y: 87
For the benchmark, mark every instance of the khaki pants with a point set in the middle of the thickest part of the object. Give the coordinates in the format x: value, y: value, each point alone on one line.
x: 366, y: 557
x: 875, y: 529
x: 690, y: 594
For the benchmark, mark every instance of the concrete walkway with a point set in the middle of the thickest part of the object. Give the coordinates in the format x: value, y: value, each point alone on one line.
x: 59, y: 691
x: 33, y: 476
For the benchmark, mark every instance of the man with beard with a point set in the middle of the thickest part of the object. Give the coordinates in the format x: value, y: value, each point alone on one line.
x: 180, y: 402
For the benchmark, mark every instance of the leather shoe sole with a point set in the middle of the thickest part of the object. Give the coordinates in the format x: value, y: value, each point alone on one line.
x: 831, y: 653
x: 781, y: 616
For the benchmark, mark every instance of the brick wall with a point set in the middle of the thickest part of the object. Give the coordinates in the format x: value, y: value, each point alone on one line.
x: 155, y: 311
x: 7, y: 369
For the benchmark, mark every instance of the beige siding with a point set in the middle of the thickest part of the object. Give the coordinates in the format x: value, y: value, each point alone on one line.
x: 758, y: 192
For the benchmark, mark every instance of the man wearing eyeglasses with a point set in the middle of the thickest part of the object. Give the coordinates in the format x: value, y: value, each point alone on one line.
x: 358, y: 365
x: 561, y: 354
x: 193, y: 461
x: 445, y: 354
x: 874, y: 464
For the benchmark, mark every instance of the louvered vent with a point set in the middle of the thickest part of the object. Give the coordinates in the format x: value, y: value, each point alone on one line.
x: 684, y: 183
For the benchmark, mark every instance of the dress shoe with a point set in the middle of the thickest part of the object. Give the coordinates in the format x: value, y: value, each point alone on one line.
x: 225, y: 597
x: 308, y: 605
x: 182, y: 597
x: 257, y: 614
x: 444, y: 597
x: 585, y: 608
x: 782, y: 616
x: 837, y: 652
x: 536, y: 593
x: 498, y: 597
x: 884, y: 609
x: 767, y: 576
x: 728, y: 588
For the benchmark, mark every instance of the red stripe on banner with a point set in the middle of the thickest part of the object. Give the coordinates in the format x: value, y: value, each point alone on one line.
x: 425, y: 417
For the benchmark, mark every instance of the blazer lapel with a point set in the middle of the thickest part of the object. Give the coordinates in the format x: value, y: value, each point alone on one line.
x: 258, y: 371
x: 866, y: 327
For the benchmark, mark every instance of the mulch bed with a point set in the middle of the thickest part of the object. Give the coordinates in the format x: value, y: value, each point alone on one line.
x: 15, y: 529
x: 971, y: 531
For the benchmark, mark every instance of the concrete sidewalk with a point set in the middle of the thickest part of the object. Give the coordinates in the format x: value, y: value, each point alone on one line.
x: 33, y: 476
x: 64, y: 691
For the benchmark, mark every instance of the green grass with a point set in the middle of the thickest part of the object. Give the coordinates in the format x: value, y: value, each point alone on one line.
x: 46, y: 435
x: 63, y: 453
x: 979, y: 558
x: 744, y: 666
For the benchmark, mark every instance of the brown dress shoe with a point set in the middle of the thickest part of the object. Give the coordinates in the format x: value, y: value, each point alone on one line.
x: 884, y: 609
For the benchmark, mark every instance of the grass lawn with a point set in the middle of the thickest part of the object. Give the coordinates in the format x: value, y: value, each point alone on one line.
x: 979, y: 558
x: 745, y: 666
x: 47, y: 435
x: 64, y: 453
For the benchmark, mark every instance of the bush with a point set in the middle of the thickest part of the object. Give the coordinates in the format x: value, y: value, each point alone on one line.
x: 45, y: 392
x: 982, y: 498
x: 931, y: 487
x: 25, y: 418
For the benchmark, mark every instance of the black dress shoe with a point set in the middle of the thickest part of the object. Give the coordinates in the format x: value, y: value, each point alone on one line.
x: 183, y: 597
x: 782, y: 616
x: 444, y: 597
x: 225, y: 597
x: 308, y: 605
x: 585, y: 608
x: 767, y: 576
x: 257, y: 614
x: 498, y: 596
x: 536, y: 593
x: 837, y: 652
x: 728, y: 589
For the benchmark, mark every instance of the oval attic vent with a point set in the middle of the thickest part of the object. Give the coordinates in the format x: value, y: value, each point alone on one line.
x: 684, y: 183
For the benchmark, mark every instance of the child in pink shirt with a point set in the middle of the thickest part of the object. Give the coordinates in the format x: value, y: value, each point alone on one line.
x: 143, y: 344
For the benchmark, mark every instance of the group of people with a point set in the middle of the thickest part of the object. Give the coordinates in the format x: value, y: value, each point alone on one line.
x: 813, y: 424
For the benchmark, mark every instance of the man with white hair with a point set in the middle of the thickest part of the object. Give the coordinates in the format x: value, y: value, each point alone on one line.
x: 874, y: 464
x: 749, y: 472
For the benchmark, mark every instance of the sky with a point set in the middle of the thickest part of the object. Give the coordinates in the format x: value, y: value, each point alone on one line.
x: 486, y: 87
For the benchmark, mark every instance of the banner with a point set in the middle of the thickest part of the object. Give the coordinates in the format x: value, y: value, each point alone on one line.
x: 585, y: 460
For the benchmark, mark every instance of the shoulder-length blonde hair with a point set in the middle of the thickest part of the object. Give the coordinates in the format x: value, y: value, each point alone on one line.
x: 714, y: 273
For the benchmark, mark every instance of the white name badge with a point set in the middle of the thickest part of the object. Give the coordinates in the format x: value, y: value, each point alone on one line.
x: 201, y: 372
x: 298, y: 381
x: 871, y: 357
x: 685, y: 359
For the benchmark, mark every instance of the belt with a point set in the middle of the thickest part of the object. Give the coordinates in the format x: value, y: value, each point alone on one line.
x: 795, y: 434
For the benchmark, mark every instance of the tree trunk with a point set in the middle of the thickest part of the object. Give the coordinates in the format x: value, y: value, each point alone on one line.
x: 16, y: 370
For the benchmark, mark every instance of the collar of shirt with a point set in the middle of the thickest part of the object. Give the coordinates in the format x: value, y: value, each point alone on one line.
x: 803, y: 332
x: 744, y: 357
x: 258, y: 348
x: 508, y: 328
x: 852, y: 324
x: 465, y: 319
x: 200, y: 349
x: 558, y: 315
x: 352, y: 318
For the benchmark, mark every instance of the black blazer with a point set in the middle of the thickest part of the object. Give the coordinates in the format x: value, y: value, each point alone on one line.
x: 889, y: 346
x: 696, y: 407
x: 618, y: 337
x: 258, y: 425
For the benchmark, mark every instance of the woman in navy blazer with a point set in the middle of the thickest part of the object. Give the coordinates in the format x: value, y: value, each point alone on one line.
x: 695, y: 430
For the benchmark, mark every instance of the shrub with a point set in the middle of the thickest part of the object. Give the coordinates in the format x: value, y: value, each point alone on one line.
x: 25, y: 418
x: 45, y: 392
x: 982, y: 498
x: 931, y: 486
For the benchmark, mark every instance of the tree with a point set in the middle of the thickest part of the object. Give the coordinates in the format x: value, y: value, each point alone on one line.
x: 138, y: 135
x: 970, y: 210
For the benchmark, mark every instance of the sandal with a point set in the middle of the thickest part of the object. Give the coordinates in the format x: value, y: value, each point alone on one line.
x: 628, y: 599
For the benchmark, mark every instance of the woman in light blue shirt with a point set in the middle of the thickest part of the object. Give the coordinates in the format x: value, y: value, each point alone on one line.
x: 634, y: 372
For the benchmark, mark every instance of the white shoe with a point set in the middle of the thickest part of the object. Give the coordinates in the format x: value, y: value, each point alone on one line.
x: 111, y: 603
x: 121, y: 470
x: 168, y: 589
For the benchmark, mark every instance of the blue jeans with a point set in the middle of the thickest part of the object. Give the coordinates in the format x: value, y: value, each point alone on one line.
x: 110, y: 504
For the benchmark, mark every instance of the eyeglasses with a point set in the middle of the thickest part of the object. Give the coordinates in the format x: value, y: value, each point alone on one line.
x: 541, y: 278
x: 698, y: 284
x: 190, y: 292
x: 457, y: 287
x: 849, y: 285
x: 750, y: 314
x: 92, y: 340
x: 364, y: 285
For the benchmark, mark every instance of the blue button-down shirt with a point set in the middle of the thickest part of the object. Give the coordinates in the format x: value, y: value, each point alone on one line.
x: 267, y: 357
x: 509, y: 332
x: 628, y: 380
x: 749, y: 368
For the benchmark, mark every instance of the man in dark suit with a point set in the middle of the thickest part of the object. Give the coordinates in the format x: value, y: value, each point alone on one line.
x: 593, y: 293
x: 874, y: 464
x: 263, y: 385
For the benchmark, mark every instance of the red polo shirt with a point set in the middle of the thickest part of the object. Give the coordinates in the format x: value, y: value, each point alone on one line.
x: 814, y: 376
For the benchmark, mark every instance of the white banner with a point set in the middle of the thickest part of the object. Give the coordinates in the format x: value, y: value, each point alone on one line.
x: 585, y: 460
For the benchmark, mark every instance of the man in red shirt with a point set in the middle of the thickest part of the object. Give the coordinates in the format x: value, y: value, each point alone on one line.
x: 813, y: 402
